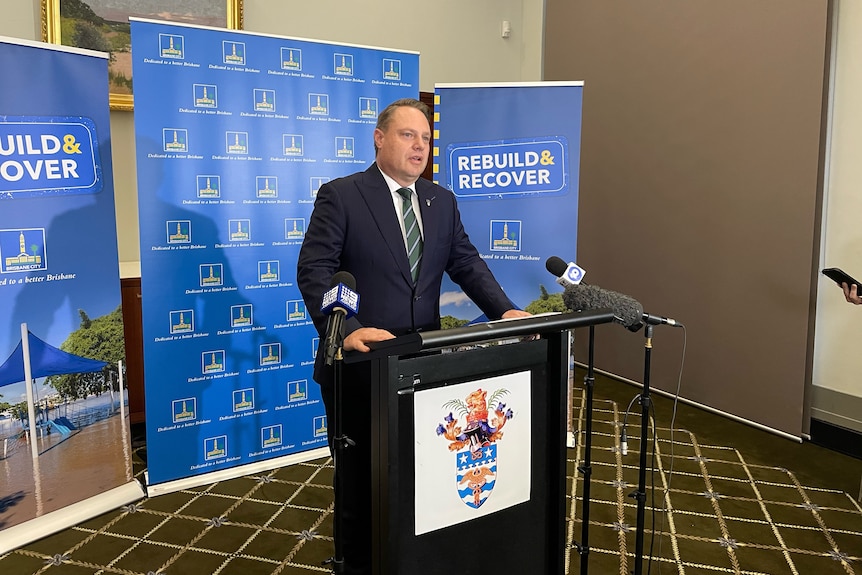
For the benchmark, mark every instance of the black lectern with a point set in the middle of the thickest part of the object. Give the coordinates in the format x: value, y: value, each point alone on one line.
x: 527, y: 537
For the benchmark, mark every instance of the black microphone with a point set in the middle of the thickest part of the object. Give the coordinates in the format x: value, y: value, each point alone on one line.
x: 628, y: 311
x: 567, y: 274
x: 340, y: 302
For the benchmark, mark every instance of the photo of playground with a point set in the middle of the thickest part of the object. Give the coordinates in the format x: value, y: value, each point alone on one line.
x: 60, y: 448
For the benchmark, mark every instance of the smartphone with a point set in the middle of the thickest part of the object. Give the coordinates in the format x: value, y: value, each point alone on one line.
x: 839, y: 276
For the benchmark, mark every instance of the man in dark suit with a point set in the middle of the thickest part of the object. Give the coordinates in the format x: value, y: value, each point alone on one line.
x: 362, y: 224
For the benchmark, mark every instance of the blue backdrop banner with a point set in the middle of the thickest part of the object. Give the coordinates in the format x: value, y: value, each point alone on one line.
x: 510, y: 153
x: 59, y: 274
x: 235, y: 133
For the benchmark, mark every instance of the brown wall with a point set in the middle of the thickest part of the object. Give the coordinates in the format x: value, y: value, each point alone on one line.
x: 700, y: 186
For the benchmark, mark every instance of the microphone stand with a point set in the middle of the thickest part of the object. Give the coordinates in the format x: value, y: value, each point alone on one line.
x: 586, y: 469
x: 341, y: 442
x: 640, y: 494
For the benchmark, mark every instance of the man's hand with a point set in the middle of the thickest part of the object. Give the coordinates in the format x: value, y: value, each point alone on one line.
x: 358, y: 340
x: 851, y: 293
x: 513, y: 313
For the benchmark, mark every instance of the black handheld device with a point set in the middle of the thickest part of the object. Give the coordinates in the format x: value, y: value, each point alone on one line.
x: 839, y: 276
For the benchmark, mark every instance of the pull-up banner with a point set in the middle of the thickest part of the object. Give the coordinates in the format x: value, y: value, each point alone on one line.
x: 510, y: 153
x: 235, y: 134
x: 59, y: 274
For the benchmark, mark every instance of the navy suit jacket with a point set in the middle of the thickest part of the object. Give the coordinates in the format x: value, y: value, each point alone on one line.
x: 354, y: 228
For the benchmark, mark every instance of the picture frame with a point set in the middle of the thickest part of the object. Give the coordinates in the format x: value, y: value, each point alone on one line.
x: 97, y: 25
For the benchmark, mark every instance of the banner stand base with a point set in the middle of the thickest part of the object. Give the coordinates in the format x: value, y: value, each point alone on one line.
x: 234, y: 472
x: 50, y: 523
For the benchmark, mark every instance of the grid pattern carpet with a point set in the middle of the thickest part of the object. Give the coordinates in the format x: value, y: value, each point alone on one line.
x: 717, y: 513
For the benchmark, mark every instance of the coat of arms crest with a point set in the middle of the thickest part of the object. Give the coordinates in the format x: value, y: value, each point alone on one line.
x: 474, y: 441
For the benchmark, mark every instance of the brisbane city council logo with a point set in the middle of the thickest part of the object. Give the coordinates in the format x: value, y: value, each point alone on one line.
x: 474, y: 442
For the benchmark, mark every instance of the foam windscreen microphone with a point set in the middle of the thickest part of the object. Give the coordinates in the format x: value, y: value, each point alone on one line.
x: 627, y: 311
x: 556, y: 265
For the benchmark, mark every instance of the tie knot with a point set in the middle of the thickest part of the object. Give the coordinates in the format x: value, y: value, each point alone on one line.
x: 405, y: 193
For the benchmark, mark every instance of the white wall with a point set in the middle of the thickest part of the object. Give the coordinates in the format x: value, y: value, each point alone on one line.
x: 458, y: 41
x: 837, y: 378
x: 21, y: 19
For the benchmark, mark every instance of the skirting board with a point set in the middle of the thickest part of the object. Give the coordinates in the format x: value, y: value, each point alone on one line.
x: 837, y: 408
x: 797, y: 439
x: 836, y: 438
x: 240, y: 471
x: 29, y: 531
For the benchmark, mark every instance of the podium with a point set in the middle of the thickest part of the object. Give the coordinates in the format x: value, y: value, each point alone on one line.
x: 497, y: 502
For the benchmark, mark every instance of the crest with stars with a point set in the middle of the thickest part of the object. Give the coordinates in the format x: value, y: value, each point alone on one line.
x: 473, y: 435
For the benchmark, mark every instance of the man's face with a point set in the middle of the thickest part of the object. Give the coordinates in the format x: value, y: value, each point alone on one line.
x: 402, y: 150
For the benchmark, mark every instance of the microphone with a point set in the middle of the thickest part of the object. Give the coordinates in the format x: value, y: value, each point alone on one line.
x: 566, y: 273
x: 628, y: 311
x: 340, y: 302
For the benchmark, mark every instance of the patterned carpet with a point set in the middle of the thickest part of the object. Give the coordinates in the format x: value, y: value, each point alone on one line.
x: 724, y: 515
x: 280, y: 522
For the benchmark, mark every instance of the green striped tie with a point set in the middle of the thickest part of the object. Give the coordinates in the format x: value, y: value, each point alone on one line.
x: 411, y: 227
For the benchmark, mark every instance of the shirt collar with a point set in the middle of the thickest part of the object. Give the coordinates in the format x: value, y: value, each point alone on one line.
x: 393, y: 185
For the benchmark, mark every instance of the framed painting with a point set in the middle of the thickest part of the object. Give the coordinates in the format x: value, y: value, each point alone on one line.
x: 103, y: 25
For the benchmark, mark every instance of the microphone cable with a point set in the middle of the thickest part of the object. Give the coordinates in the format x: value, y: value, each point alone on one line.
x: 623, y: 438
x: 666, y: 493
x: 624, y: 451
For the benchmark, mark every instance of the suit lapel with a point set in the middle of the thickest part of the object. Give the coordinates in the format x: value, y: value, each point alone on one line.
x: 430, y: 222
x: 377, y: 196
